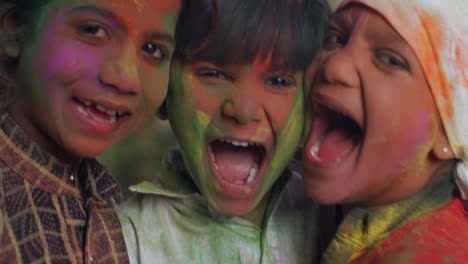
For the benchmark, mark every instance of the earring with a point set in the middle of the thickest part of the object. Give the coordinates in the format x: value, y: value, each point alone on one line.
x: 445, y: 149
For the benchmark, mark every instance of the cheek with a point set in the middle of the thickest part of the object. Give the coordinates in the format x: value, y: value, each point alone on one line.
x: 207, y: 99
x: 413, y: 142
x: 154, y: 87
x: 280, y: 110
x: 64, y: 63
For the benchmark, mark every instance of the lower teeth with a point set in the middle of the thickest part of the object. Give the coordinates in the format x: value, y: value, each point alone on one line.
x: 252, y: 174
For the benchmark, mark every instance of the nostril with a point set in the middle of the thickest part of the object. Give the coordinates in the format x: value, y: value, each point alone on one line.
x: 121, y: 80
x: 241, y: 113
x: 228, y: 109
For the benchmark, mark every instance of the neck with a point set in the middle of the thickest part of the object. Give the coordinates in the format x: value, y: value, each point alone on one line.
x: 257, y: 215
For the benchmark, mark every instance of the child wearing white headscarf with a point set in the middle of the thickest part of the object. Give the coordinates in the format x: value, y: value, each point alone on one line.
x: 389, y: 140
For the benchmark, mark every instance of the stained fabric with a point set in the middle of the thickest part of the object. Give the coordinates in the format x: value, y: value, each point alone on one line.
x: 423, y: 225
x: 51, y: 212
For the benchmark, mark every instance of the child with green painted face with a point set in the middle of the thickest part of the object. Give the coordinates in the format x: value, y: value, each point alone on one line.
x: 78, y: 76
x: 236, y: 106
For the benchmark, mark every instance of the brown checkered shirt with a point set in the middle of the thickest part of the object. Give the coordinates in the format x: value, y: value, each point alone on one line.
x: 51, y: 212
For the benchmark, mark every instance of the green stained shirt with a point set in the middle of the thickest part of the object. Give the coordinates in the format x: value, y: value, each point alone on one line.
x: 362, y: 229
x: 169, y: 222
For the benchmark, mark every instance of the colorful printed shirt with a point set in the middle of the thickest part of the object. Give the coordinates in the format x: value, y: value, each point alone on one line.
x: 429, y: 227
x: 169, y: 222
x: 51, y: 212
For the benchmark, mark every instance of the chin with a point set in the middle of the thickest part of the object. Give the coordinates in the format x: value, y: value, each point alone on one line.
x: 321, y: 192
x: 236, y: 208
x: 86, y: 149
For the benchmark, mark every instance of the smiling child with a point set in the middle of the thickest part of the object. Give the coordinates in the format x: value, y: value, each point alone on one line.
x: 79, y: 76
x: 236, y: 105
x: 389, y: 139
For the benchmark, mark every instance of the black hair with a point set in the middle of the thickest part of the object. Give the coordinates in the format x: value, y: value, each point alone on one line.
x: 240, y: 31
x: 24, y: 13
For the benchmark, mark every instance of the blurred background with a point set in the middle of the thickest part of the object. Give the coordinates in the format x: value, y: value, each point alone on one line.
x: 139, y: 157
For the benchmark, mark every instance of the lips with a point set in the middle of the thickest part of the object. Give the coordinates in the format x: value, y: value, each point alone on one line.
x: 334, y: 135
x: 237, y: 162
x: 99, y: 116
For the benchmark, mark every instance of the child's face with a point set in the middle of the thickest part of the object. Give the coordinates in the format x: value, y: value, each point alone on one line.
x: 94, y: 71
x: 376, y: 122
x: 238, y: 126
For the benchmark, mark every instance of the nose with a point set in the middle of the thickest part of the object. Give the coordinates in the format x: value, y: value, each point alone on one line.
x: 120, y: 71
x: 339, y: 67
x: 242, y: 107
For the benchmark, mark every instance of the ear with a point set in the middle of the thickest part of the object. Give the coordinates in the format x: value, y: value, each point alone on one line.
x: 162, y: 111
x: 9, y: 29
x: 442, y: 149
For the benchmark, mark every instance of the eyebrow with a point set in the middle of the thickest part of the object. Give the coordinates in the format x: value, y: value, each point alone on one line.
x: 113, y: 17
x: 161, y: 36
x: 386, y: 36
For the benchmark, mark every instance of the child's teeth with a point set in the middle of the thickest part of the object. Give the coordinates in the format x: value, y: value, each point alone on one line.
x: 214, y: 160
x: 252, y: 174
x: 314, y: 150
x: 82, y: 110
x: 113, y: 119
x: 87, y: 102
x: 101, y: 108
x: 111, y: 112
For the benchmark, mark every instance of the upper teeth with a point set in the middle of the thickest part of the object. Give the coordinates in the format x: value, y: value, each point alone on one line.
x: 105, y: 110
x: 102, y: 108
x: 113, y: 114
x: 239, y: 143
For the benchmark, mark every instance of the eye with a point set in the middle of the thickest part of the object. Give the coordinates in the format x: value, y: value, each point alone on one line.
x: 281, y: 83
x: 392, y: 60
x: 155, y: 51
x: 206, y: 73
x: 93, y: 30
x: 334, y: 39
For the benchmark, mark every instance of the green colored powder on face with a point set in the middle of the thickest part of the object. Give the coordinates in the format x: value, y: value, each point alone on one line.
x: 191, y: 127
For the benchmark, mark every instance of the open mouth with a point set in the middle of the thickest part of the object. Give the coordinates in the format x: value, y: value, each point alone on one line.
x: 237, y: 162
x: 98, y: 111
x: 333, y: 136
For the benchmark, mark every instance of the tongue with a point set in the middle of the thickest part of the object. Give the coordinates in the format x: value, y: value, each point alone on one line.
x: 233, y: 163
x: 334, y: 137
x: 335, y: 145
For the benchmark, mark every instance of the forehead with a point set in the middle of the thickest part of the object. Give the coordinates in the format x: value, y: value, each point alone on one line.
x: 130, y: 12
x: 359, y: 19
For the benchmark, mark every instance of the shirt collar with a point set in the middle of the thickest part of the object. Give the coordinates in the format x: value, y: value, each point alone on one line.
x: 46, y: 172
x: 33, y: 163
x: 174, y: 181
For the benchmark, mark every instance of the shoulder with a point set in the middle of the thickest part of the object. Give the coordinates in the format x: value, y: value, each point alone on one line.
x: 438, y: 237
x: 147, y: 209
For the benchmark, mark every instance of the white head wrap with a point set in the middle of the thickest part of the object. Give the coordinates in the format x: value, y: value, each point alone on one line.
x: 437, y: 31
